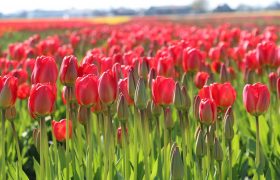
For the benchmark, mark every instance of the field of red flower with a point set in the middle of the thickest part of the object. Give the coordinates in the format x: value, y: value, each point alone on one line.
x: 145, y: 98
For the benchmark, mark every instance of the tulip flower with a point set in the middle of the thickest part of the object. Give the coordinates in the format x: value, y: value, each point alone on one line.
x: 107, y: 88
x: 272, y: 77
x: 41, y: 101
x: 8, y: 91
x: 266, y: 53
x: 256, y: 98
x: 59, y: 129
x: 69, y: 70
x: 163, y: 90
x: 45, y: 70
x: 23, y: 91
x: 87, y: 90
x: 207, y: 111
x: 192, y: 59
x: 123, y: 88
x: 224, y: 94
x: 201, y: 79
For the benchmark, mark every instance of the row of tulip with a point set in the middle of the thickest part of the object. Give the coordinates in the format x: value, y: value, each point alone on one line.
x: 120, y: 105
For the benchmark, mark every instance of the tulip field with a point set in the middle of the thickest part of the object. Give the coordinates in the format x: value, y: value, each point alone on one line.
x: 139, y: 98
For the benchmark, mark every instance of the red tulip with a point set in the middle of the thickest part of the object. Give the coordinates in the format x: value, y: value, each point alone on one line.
x: 165, y: 67
x: 267, y: 53
x: 192, y: 59
x: 200, y: 79
x: 59, y: 129
x: 41, y: 101
x: 204, y: 92
x: 23, y: 91
x: 224, y: 94
x: 8, y: 91
x: 87, y: 90
x: 163, y: 90
x: 207, y: 111
x: 123, y: 88
x: 45, y: 70
x: 69, y: 71
x: 107, y: 88
x: 256, y: 98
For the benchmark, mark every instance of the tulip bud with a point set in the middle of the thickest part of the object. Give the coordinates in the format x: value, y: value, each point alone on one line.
x: 207, y: 111
x: 10, y: 113
x: 132, y: 82
x: 250, y: 76
x: 163, y: 90
x: 36, y: 138
x: 177, y: 166
x: 119, y: 135
x: 200, y: 145
x: 211, y: 135
x: 151, y: 76
x: 143, y: 68
x: 272, y: 81
x: 149, y: 110
x: 69, y: 70
x: 155, y: 109
x: 8, y: 91
x: 69, y: 94
x: 200, y: 79
x: 228, y: 124
x: 168, y: 120
x: 140, y: 97
x: 218, y: 151
x: 122, y: 109
x: 178, y: 99
x: 83, y: 114
x: 186, y: 98
x: 223, y: 74
x: 196, y: 103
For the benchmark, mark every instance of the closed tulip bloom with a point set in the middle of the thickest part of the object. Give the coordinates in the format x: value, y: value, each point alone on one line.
x: 123, y: 88
x: 207, y: 111
x: 224, y: 94
x: 192, y: 59
x: 69, y: 71
x: 107, y: 88
x: 8, y: 91
x: 256, y: 98
x: 272, y: 77
x: 266, y: 53
x: 87, y: 90
x: 201, y: 79
x: 59, y: 129
x: 23, y: 91
x: 41, y: 101
x: 163, y: 90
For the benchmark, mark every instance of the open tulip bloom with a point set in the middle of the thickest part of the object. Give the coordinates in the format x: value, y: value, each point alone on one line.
x: 146, y: 99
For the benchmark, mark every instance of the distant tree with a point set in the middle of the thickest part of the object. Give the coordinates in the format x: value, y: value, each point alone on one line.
x: 200, y: 5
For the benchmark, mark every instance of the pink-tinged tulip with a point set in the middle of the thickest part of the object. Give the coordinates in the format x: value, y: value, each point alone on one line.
x: 69, y: 71
x: 207, y: 111
x: 8, y: 91
x: 45, y: 70
x: 272, y: 77
x: 224, y: 94
x: 107, y: 88
x: 200, y: 79
x: 41, y: 101
x: 165, y: 67
x: 59, y: 129
x: 256, y: 98
x: 123, y: 88
x: 267, y: 53
x: 87, y: 90
x: 163, y: 90
x: 192, y: 59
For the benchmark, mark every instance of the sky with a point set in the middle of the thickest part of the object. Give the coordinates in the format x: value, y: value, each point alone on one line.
x: 9, y: 6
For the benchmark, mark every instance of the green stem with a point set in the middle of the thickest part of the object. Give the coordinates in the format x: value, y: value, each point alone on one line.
x: 110, y: 144
x: 165, y: 148
x: 17, y: 146
x: 42, y: 162
x: 135, y: 163
x: 183, y: 129
x: 90, y: 146
x: 126, y: 151
x: 200, y: 170
x: 3, y: 153
x: 220, y: 170
x: 258, y: 155
x: 230, y: 160
x: 67, y: 138
x: 145, y: 144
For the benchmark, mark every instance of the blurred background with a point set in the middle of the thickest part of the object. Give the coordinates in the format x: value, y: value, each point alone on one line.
x: 90, y: 8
